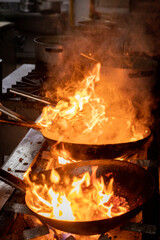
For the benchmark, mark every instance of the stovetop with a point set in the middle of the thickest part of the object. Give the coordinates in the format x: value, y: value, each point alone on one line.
x: 28, y: 151
x: 34, y: 151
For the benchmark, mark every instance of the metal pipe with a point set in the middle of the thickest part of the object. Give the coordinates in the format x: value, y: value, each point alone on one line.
x: 13, y: 114
x: 29, y: 95
x: 21, y: 124
x: 88, y: 57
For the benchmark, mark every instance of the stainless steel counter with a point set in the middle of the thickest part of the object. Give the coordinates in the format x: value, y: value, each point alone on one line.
x: 22, y: 156
x: 12, y: 135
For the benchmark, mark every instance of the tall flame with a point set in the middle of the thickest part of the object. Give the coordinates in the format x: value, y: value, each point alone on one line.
x: 82, y: 113
x: 83, y: 118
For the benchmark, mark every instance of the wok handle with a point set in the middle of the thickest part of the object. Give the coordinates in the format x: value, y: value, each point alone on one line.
x: 21, y: 124
x: 88, y: 57
x: 13, y: 114
x: 29, y: 95
x: 35, y: 97
x: 12, y: 180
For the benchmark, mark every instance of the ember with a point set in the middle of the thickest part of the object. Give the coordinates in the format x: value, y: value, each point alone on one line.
x: 84, y: 118
x: 62, y: 197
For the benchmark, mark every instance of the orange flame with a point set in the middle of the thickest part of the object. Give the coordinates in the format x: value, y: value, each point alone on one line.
x: 83, y: 118
x: 62, y: 200
x: 83, y: 113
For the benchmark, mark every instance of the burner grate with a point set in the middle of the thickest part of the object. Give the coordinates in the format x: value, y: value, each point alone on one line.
x: 33, y: 83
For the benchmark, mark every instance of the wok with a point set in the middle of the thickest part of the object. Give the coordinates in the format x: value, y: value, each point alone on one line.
x: 81, y: 151
x: 130, y: 181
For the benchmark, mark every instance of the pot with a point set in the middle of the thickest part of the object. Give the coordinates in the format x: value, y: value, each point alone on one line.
x: 57, y: 50
x: 80, y: 151
x: 51, y: 51
x: 130, y: 181
x: 130, y: 72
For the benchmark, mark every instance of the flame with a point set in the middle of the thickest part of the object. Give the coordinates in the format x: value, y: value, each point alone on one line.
x: 83, y: 118
x: 83, y: 113
x: 63, y: 157
x: 62, y: 199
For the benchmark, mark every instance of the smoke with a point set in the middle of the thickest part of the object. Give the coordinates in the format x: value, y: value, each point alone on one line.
x: 128, y: 73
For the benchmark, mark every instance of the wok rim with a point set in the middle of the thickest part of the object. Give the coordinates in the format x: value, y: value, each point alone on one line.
x: 148, y: 134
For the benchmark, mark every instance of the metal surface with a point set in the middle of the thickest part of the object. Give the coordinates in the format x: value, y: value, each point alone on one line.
x: 35, y: 232
x: 16, y: 76
x: 29, y: 95
x: 44, y: 100
x: 17, y: 208
x: 55, y: 50
x: 49, y: 51
x: 25, y: 152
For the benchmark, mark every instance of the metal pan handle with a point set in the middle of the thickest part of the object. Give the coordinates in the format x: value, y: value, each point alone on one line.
x: 21, y: 124
x: 14, y: 115
x: 30, y: 96
x: 35, y: 97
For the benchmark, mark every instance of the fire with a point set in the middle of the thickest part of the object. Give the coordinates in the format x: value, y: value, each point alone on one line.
x: 84, y: 118
x: 82, y: 113
x: 79, y: 198
x: 62, y: 157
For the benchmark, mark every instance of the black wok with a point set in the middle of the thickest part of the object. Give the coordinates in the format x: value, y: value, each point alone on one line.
x: 82, y: 151
x: 90, y: 151
x: 130, y: 181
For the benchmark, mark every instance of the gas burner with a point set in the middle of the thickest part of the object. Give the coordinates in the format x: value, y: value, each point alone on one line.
x: 33, y: 151
x: 27, y: 78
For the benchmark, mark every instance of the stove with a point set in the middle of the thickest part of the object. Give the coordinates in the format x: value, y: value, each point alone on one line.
x: 16, y: 221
